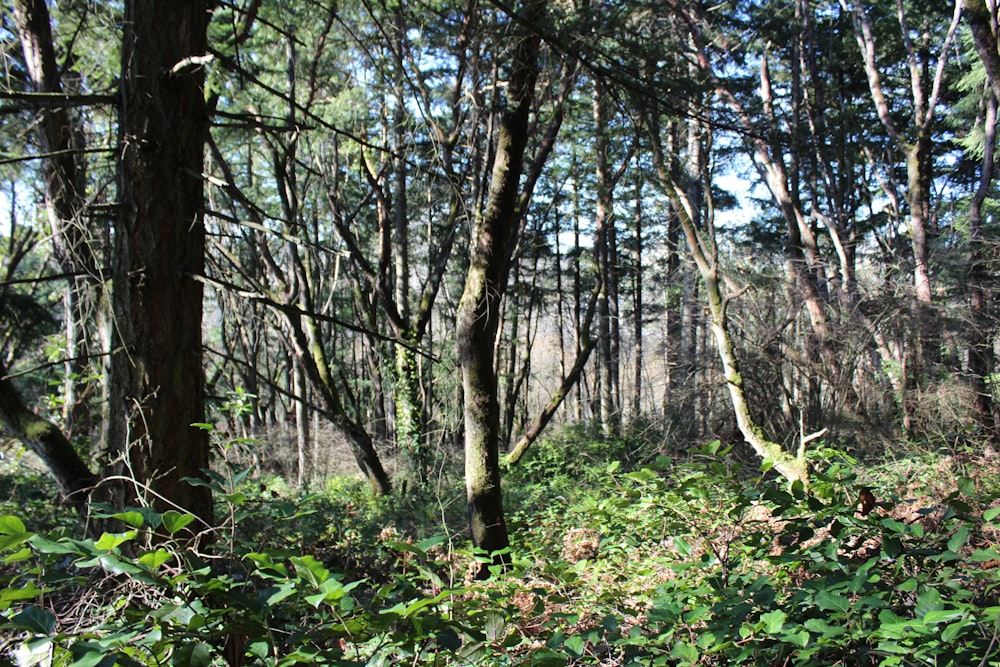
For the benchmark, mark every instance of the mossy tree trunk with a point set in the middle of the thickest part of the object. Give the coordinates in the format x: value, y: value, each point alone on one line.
x: 494, y: 235
x: 49, y: 443
x: 982, y: 20
x: 702, y: 246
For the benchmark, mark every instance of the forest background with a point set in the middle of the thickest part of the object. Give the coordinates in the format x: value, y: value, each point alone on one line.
x: 401, y: 240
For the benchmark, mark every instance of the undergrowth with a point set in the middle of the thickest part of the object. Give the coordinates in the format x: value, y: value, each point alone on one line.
x: 615, y: 563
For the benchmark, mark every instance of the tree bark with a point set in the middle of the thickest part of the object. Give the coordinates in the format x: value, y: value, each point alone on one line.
x: 607, y: 306
x: 983, y: 23
x: 477, y: 319
x: 50, y: 444
x: 917, y: 150
x: 704, y: 252
x: 159, y: 253
x: 64, y: 172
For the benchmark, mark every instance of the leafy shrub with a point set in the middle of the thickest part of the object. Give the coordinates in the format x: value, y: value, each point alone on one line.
x: 673, y: 564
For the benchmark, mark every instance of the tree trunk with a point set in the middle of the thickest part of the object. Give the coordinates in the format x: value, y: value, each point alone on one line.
x: 925, y: 89
x: 983, y: 22
x: 64, y: 172
x: 607, y: 307
x: 157, y: 377
x: 477, y: 319
x: 704, y: 252
x: 637, y: 305
x: 300, y: 389
x: 46, y: 441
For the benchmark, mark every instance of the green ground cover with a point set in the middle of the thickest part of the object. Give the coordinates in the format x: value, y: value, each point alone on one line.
x: 680, y: 560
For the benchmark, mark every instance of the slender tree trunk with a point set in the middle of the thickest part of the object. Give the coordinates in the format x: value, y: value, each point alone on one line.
x: 477, y: 320
x: 157, y: 376
x: 578, y: 333
x: 637, y: 305
x: 607, y: 308
x: 306, y: 338
x: 704, y: 252
x: 301, y: 389
x: 64, y: 172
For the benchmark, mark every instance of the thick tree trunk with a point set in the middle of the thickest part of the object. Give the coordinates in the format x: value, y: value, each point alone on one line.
x: 157, y: 377
x: 983, y: 22
x: 919, y: 165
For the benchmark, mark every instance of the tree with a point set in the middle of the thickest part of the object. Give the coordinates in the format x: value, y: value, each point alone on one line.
x: 60, y: 139
x: 925, y: 61
x: 63, y: 170
x: 982, y: 18
x: 20, y: 313
x: 494, y: 235
x: 157, y: 401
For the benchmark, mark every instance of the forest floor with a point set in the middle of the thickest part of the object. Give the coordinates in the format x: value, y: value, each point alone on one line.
x: 682, y: 560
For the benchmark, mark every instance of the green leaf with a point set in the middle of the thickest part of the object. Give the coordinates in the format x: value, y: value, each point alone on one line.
x: 431, y: 542
x: 134, y: 519
x: 991, y: 513
x: 154, y: 559
x: 959, y: 539
x: 942, y: 615
x: 28, y: 592
x: 495, y: 626
x: 682, y: 546
x: 927, y: 601
x: 417, y: 605
x: 824, y: 629
x: 18, y: 556
x: 984, y: 555
x: 35, y: 619
x: 8, y: 542
x: 258, y: 649
x: 953, y: 630
x: 114, y: 565
x: 800, y: 638
x: 574, y: 646
x: 11, y: 525
x: 310, y: 569
x: 236, y: 498
x: 175, y: 521
x: 192, y: 655
x: 109, y: 541
x: 829, y: 602
x: 773, y: 621
x: 685, y: 652
x: 64, y: 546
